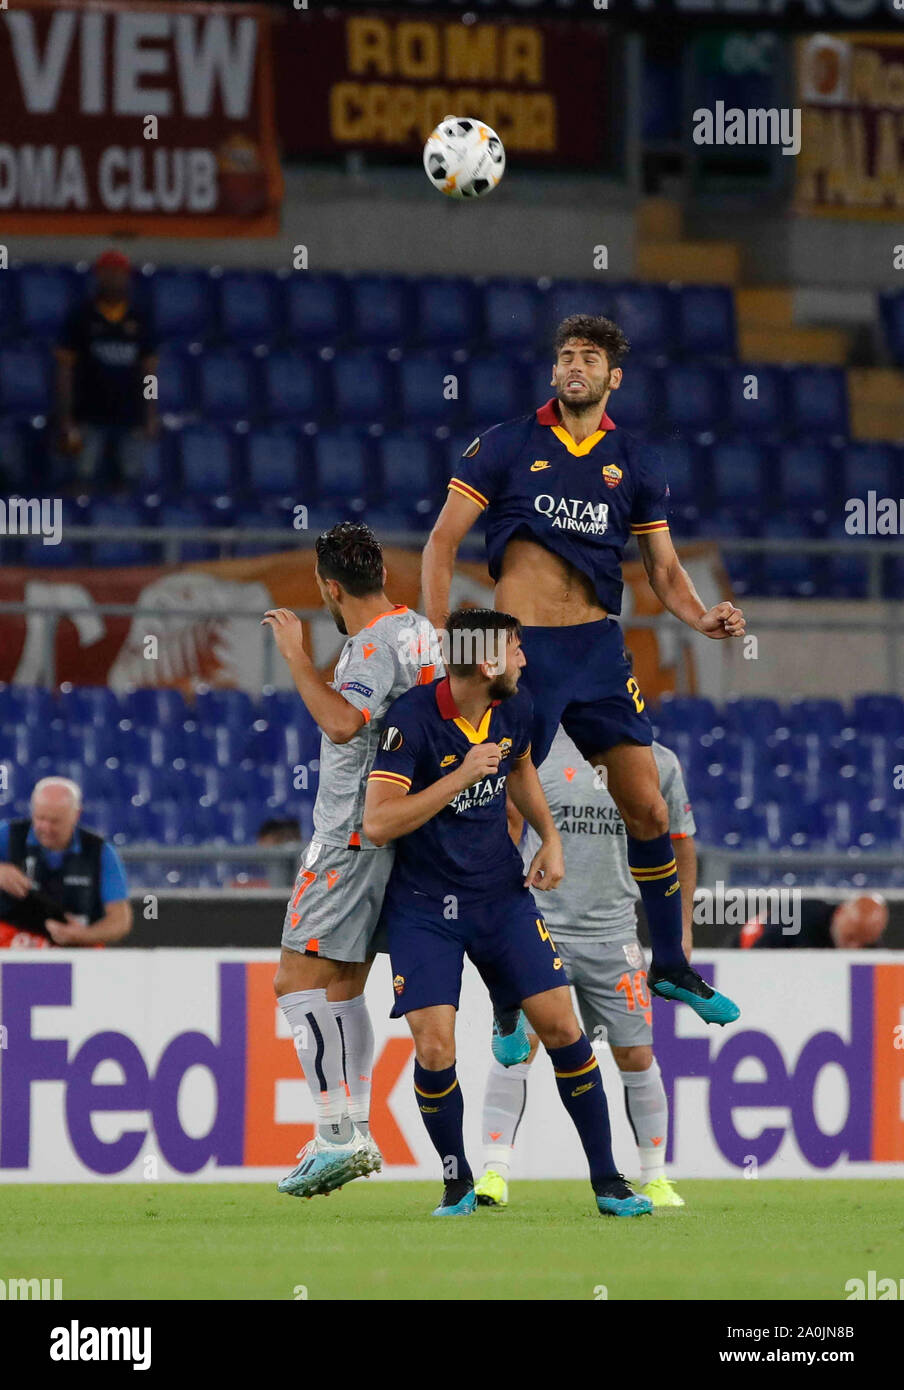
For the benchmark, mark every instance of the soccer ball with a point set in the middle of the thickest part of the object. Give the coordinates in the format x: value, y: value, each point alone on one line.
x: 464, y: 158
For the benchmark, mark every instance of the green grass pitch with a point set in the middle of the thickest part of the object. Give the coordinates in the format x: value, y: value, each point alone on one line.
x: 737, y: 1239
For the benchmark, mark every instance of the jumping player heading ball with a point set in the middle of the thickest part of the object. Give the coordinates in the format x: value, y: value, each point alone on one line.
x: 563, y: 489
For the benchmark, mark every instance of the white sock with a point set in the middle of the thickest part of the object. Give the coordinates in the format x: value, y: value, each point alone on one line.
x: 318, y: 1043
x: 503, y: 1107
x: 357, y: 1056
x: 647, y: 1107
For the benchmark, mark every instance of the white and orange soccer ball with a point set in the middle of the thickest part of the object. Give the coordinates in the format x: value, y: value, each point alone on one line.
x: 464, y: 157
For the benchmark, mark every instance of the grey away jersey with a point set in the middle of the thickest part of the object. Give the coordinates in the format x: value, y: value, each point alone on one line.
x: 397, y: 650
x: 597, y: 895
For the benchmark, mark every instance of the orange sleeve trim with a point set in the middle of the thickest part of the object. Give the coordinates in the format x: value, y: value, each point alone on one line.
x: 394, y: 777
x: 681, y: 835
x: 425, y: 675
x: 365, y: 713
x: 456, y: 485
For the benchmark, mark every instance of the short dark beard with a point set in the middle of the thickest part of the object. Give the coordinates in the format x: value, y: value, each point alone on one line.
x: 501, y: 687
x: 582, y: 407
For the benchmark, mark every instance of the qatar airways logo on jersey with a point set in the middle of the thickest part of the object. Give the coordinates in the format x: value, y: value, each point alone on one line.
x: 574, y: 514
x: 481, y: 794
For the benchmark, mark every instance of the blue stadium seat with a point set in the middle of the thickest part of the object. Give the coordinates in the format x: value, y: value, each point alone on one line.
x: 720, y: 524
x: 230, y: 708
x: 789, y: 573
x: 738, y: 472
x: 114, y: 512
x: 316, y: 308
x: 9, y: 305
x: 227, y: 385
x: 343, y: 462
x: 155, y: 707
x: 798, y: 824
x: 681, y: 462
x: 422, y: 385
x: 706, y: 321
x: 273, y: 464
x: 817, y: 398
x: 82, y: 705
x: 766, y: 415
x: 26, y: 704
x: 380, y: 310
x: 807, y: 474
x: 180, y: 302
x: 279, y: 523
x: 753, y: 716
x: 694, y: 398
x: 638, y: 403
x: 248, y: 306
x: 565, y: 297
x: 410, y: 469
x: 868, y: 467
x: 177, y: 380
x: 891, y: 309
x: 879, y: 714
x: 823, y: 718
x: 445, y: 312
x: 188, y: 516
x: 647, y: 315
x: 511, y: 314
x: 494, y: 390
x: 46, y: 294
x: 847, y: 574
x: 206, y: 460
x: 693, y: 714
x: 294, y: 387
x: 24, y: 380
x: 362, y: 386
x: 14, y: 470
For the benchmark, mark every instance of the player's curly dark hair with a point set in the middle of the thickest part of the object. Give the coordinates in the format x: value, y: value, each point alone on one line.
x: 470, y: 637
x: 351, y: 554
x: 595, y: 329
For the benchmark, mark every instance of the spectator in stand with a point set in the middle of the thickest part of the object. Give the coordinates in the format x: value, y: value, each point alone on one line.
x: 59, y: 885
x: 846, y: 926
x: 105, y: 351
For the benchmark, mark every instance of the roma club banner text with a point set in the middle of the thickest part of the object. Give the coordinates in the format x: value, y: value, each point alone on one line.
x: 174, y: 1065
x: 125, y: 118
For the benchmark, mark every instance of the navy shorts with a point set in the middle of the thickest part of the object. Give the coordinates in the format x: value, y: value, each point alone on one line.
x: 580, y: 677
x: 506, y: 939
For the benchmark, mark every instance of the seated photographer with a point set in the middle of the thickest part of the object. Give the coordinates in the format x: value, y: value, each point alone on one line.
x: 59, y: 885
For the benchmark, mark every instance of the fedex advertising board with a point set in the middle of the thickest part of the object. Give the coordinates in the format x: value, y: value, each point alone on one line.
x: 177, y: 1065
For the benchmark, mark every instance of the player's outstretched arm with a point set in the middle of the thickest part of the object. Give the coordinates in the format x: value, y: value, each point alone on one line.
x: 438, y: 562
x: 547, y: 868
x: 333, y: 714
x: 674, y: 588
x: 390, y: 810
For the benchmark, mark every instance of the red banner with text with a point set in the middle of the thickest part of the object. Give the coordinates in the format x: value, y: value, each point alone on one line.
x: 127, y: 118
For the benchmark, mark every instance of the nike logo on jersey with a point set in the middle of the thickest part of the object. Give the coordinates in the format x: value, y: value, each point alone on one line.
x: 538, y: 464
x: 449, y: 759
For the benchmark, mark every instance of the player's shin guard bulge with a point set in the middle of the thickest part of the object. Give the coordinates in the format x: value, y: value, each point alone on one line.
x: 581, y: 1088
x: 440, y: 1102
x: 655, y: 871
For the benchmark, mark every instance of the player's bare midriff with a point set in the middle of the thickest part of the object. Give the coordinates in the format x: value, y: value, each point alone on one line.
x: 543, y: 590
